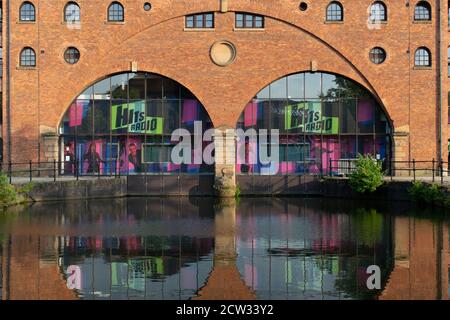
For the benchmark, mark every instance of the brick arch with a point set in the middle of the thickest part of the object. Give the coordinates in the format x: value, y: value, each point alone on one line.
x: 369, y: 89
x: 118, y: 71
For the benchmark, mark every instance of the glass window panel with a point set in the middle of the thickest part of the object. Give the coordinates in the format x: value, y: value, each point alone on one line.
x: 189, y: 21
x: 278, y: 89
x: 137, y: 86
x: 296, y: 86
x: 366, y: 145
x: 348, y: 147
x: 102, y: 89
x: 171, y: 116
x: 313, y: 85
x: 239, y: 20
x: 102, y: 119
x: 248, y: 21
x: 154, y: 87
x: 264, y: 93
x: 347, y: 117
x: 329, y: 86
x: 199, y: 21
x: 365, y: 116
x: 171, y: 89
x: 119, y: 86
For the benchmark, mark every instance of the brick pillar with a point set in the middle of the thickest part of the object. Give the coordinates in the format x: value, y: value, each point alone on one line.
x: 50, y: 149
x: 401, y: 153
x: 225, y: 161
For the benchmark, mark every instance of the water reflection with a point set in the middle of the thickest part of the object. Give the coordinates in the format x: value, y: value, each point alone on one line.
x: 193, y: 248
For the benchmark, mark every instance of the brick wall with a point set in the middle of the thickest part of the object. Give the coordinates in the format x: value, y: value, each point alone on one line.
x: 292, y: 40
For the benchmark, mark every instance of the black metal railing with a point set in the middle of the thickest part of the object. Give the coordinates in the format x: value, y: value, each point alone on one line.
x: 414, y: 169
x: 64, y: 169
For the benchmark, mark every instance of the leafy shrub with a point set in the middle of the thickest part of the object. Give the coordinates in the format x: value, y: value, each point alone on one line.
x: 429, y: 194
x: 9, y: 195
x: 368, y: 175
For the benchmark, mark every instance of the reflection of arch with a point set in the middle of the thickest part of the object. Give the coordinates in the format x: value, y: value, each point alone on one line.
x: 317, y: 115
x: 123, y: 123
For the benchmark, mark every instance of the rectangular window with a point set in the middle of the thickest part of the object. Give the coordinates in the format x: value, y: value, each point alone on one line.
x: 294, y: 152
x: 157, y: 153
x: 201, y: 21
x: 249, y: 21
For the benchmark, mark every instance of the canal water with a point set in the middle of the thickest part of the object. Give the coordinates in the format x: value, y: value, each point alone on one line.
x: 194, y: 248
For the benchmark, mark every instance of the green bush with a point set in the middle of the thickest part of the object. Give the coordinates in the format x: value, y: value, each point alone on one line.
x: 368, y: 175
x: 432, y: 194
x: 9, y: 195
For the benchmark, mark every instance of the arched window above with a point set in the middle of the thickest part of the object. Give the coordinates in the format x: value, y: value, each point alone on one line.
x: 27, y: 12
x: 72, y: 12
x: 422, y: 57
x: 27, y: 57
x: 378, y: 12
x: 422, y: 12
x: 116, y: 12
x: 335, y: 12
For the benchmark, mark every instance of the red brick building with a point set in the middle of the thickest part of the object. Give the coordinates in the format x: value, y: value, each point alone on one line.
x: 375, y: 70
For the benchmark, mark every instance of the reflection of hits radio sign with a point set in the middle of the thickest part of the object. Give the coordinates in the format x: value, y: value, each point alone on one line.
x: 308, y: 117
x: 132, y: 116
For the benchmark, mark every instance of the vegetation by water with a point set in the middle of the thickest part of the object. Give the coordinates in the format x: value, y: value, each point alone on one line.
x: 430, y: 194
x: 368, y: 175
x: 11, y: 195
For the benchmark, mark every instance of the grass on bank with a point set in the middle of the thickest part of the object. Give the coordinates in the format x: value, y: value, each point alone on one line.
x: 11, y: 195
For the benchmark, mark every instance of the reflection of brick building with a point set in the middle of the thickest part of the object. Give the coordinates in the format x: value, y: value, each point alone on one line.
x: 422, y: 255
x: 43, y: 79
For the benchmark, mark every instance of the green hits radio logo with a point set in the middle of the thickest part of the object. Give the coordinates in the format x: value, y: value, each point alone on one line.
x: 308, y: 117
x: 132, y: 116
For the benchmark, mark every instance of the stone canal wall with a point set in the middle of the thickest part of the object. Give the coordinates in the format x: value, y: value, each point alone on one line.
x: 161, y: 186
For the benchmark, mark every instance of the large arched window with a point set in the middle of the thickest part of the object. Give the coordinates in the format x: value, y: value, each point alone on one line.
x: 335, y: 12
x: 27, y: 12
x: 27, y: 57
x: 123, y: 124
x: 116, y: 12
x: 422, y: 11
x: 422, y: 57
x: 72, y: 12
x: 321, y: 118
x: 378, y: 12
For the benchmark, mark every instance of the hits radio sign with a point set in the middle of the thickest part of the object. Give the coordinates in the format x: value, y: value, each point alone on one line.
x: 132, y: 116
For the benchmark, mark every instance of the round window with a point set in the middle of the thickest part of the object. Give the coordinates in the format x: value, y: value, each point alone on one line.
x: 377, y: 55
x: 147, y: 6
x: 72, y: 55
x: 303, y: 6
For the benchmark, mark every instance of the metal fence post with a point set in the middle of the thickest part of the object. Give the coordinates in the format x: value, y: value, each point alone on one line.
x: 9, y: 172
x: 31, y: 175
x: 329, y: 166
x: 432, y: 168
x: 442, y: 171
x: 54, y: 170
x: 414, y: 169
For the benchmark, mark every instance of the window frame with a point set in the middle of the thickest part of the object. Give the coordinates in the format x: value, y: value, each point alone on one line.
x: 203, y: 25
x: 69, y: 59
x: 418, y: 16
x: 330, y: 14
x: 253, y: 20
x: 109, y: 12
x: 22, y: 58
x: 22, y: 11
x: 419, y: 58
x: 66, y: 7
x: 376, y: 55
x: 384, y: 12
